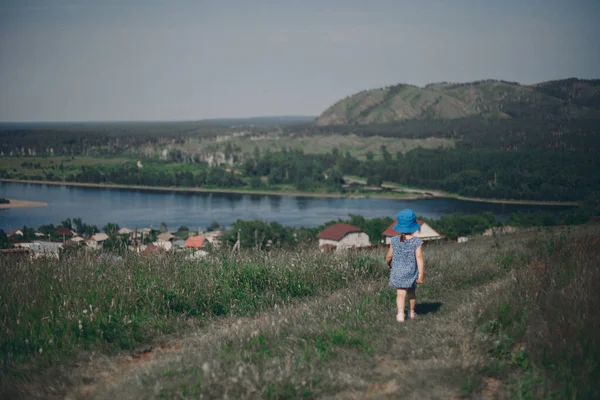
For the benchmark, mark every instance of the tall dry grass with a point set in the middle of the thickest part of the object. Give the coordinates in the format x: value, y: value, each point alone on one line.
x: 547, y: 326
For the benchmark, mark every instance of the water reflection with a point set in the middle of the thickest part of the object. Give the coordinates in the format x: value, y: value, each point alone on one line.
x: 275, y: 202
x: 255, y: 199
x: 302, y: 203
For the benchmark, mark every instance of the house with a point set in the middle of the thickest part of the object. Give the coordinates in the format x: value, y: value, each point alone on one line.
x: 179, y: 244
x: 18, y: 252
x: 197, y: 255
x: 42, y: 249
x: 213, y: 238
x: 150, y: 249
x: 163, y: 244
x: 425, y: 233
x: 195, y: 242
x: 77, y: 239
x: 64, y: 232
x: 165, y: 237
x: 342, y: 236
x: 15, y: 232
x: 39, y: 234
x: 145, y: 231
x: 97, y: 240
x: 125, y: 231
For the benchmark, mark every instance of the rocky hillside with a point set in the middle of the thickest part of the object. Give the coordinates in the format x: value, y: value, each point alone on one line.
x: 490, y: 98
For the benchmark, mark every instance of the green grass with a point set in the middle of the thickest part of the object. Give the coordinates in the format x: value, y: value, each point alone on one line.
x: 309, y: 325
x: 59, y: 165
x: 53, y: 309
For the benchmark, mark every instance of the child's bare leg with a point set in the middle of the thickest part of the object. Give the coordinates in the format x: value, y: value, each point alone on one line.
x: 400, y: 296
x: 412, y: 298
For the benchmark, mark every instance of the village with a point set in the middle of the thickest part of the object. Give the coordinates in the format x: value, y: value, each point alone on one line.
x: 338, y: 237
x: 143, y: 241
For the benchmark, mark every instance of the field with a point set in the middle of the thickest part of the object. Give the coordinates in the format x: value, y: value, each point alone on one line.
x: 59, y: 166
x: 303, y: 324
x: 358, y: 146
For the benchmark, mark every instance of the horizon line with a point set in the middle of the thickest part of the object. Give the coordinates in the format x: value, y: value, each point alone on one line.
x: 156, y: 120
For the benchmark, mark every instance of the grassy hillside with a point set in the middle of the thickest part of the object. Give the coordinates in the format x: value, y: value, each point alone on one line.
x: 489, y: 98
x: 510, y: 315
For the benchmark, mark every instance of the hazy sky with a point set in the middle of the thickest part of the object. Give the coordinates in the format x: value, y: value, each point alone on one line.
x: 167, y: 60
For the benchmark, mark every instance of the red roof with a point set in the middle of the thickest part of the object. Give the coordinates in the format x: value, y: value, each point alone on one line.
x: 17, y: 250
x: 337, y: 231
x: 391, y: 232
x: 64, y: 232
x: 195, y: 242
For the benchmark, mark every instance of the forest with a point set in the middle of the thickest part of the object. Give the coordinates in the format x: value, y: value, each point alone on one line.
x: 532, y: 157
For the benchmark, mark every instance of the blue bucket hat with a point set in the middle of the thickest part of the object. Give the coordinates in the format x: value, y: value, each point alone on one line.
x: 407, y: 222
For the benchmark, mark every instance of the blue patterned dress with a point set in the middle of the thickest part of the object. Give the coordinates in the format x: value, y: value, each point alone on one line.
x: 404, y: 272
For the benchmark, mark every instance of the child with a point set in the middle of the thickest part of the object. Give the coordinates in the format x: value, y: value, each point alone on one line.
x: 405, y: 260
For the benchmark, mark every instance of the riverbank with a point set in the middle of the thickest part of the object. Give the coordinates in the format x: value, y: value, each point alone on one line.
x: 411, y: 194
x: 22, y: 204
x: 219, y: 190
x: 425, y: 193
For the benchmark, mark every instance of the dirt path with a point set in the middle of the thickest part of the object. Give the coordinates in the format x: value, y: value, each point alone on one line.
x: 422, y: 353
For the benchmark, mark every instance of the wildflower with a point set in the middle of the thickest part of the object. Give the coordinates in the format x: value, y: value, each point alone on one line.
x: 80, y: 326
x: 85, y: 311
x: 40, y: 350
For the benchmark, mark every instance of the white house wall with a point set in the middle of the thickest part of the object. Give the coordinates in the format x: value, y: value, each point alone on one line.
x: 425, y: 233
x: 355, y: 239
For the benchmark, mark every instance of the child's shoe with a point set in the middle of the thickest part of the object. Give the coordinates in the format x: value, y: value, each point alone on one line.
x: 400, y: 316
x: 412, y: 314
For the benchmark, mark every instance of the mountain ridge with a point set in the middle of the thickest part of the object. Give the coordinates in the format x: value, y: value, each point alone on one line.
x: 489, y: 98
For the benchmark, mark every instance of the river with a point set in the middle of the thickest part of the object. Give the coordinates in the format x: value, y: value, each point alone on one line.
x: 146, y: 208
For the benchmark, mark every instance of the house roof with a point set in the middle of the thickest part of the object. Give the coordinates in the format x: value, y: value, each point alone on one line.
x: 195, y: 242
x: 165, y: 236
x: 337, y: 231
x: 16, y: 232
x: 391, y: 232
x: 425, y: 232
x: 64, y: 232
x: 22, y: 250
x: 125, y: 231
x: 99, y: 237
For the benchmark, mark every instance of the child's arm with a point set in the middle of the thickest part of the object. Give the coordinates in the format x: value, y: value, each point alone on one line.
x: 388, y: 257
x: 420, y: 264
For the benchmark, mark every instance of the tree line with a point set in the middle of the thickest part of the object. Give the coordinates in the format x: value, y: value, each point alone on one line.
x: 487, y: 173
x: 263, y: 235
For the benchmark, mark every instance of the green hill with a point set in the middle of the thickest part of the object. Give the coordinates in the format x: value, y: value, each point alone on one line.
x: 490, y: 98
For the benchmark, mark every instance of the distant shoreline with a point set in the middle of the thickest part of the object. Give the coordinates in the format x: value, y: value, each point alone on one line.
x: 413, y: 196
x: 22, y: 204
